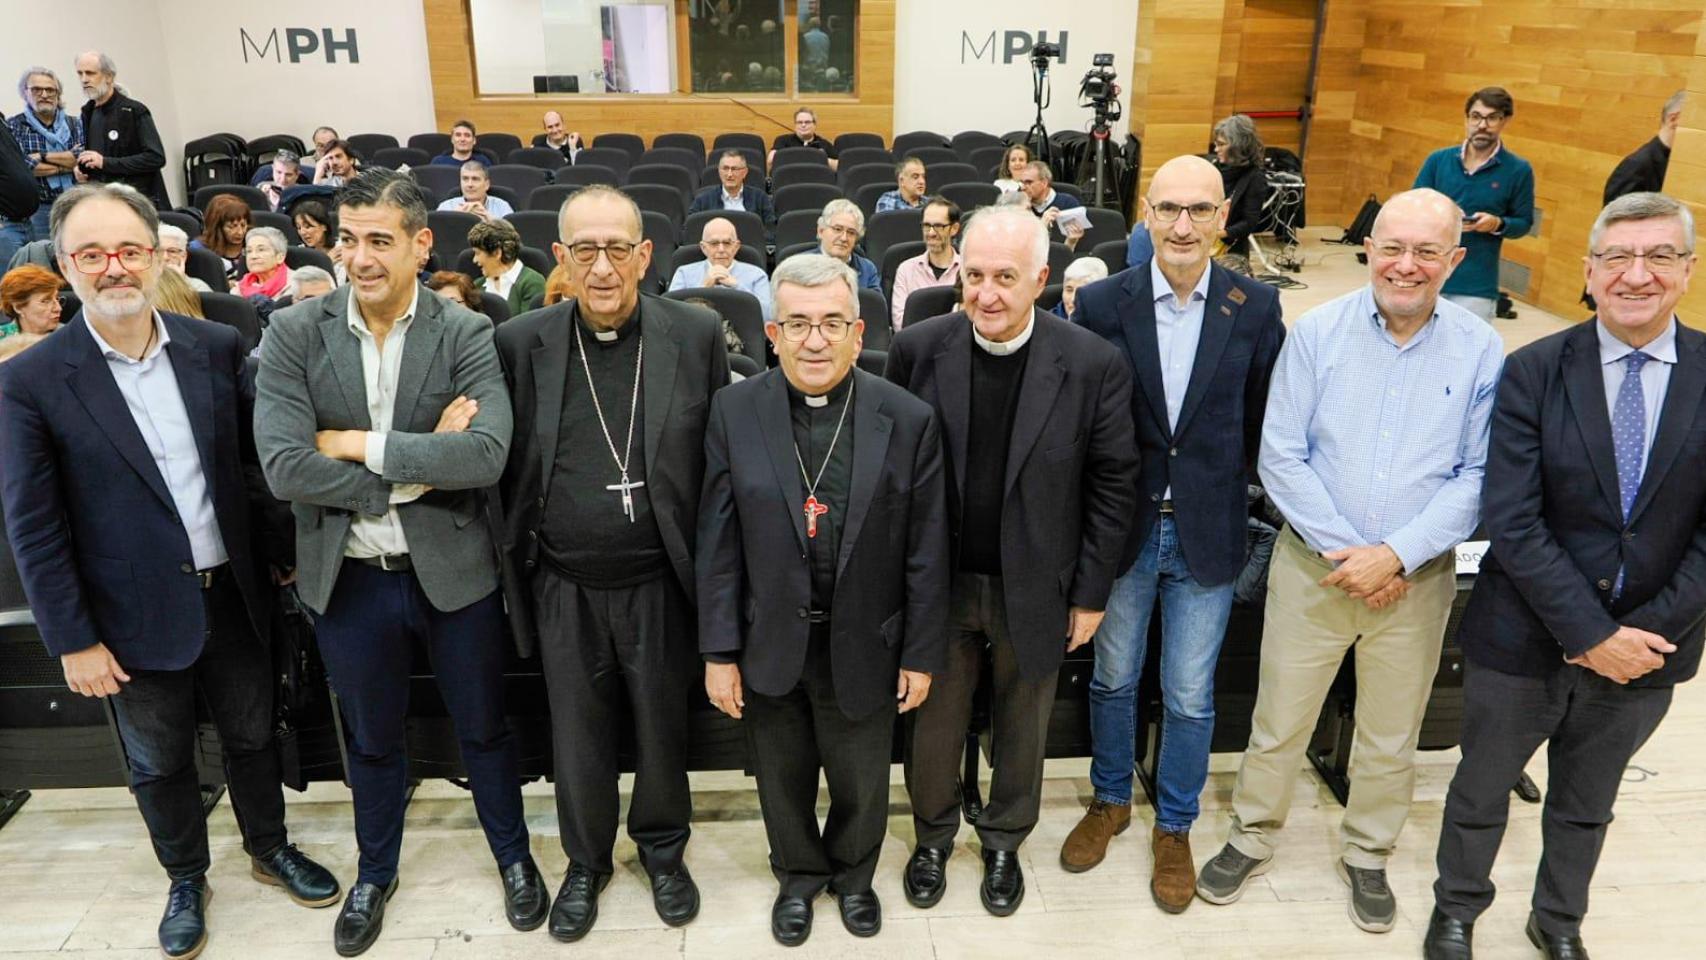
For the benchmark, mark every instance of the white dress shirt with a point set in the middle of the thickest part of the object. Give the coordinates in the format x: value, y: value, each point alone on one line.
x: 503, y: 282
x: 380, y: 365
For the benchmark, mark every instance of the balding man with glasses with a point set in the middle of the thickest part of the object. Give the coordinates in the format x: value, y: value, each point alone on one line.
x: 1373, y: 448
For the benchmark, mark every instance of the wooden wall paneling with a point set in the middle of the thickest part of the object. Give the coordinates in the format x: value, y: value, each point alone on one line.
x: 1176, y: 77
x: 1685, y: 178
x: 1332, y: 197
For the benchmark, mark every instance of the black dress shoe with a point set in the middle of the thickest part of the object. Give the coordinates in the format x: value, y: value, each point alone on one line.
x: 576, y: 906
x: 791, y: 920
x: 1555, y: 947
x: 1003, y: 882
x: 525, y: 903
x: 926, y: 877
x: 303, y: 880
x: 1447, y: 939
x: 861, y: 913
x: 675, y: 896
x: 361, y: 919
x: 183, y: 927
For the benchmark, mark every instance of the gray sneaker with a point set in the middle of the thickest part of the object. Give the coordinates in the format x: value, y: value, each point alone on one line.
x: 1373, y: 908
x: 1222, y: 879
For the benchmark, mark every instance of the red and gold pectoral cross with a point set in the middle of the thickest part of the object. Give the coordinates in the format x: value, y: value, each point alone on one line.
x: 814, y: 509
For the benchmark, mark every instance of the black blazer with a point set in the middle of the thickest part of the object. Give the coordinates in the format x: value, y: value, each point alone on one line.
x: 1551, y: 507
x: 1246, y: 190
x: 891, y: 590
x: 135, y: 156
x: 100, y: 549
x: 1211, y: 458
x: 1071, y: 468
x: 685, y: 362
x: 1642, y: 170
x: 752, y: 198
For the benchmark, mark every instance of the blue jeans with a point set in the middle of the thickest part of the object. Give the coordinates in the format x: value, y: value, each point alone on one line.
x: 15, y: 233
x: 1193, y: 624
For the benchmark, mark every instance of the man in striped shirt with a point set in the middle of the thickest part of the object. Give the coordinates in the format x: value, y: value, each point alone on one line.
x: 1373, y: 448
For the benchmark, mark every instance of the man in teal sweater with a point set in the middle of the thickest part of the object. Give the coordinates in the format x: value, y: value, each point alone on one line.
x: 1495, y: 189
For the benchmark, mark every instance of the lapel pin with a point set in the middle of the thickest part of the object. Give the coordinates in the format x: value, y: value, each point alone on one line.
x: 1226, y: 309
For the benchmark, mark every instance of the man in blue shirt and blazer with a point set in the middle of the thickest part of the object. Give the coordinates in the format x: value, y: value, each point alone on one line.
x: 733, y: 193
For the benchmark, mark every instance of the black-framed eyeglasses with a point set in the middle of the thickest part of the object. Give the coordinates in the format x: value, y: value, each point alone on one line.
x: 938, y: 227
x: 44, y: 91
x: 1484, y: 119
x: 1168, y: 212
x: 834, y: 331
x: 585, y: 252
x: 1658, y: 259
x: 719, y: 244
x: 132, y: 257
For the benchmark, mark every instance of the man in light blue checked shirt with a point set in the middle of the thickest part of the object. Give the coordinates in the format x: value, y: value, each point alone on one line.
x: 1373, y: 448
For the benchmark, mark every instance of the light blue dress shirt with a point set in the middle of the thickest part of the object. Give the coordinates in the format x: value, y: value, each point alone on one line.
x: 150, y: 389
x: 1178, y: 329
x: 1367, y: 441
x: 747, y: 277
x: 1655, y: 376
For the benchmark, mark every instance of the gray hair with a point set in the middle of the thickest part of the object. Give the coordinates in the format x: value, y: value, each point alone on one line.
x: 593, y: 191
x: 1041, y: 170
x: 306, y: 275
x: 815, y: 270
x: 172, y: 232
x: 101, y: 60
x: 1018, y: 219
x: 272, y: 235
x: 1636, y: 206
x: 24, y: 81
x: 1672, y: 105
x: 836, y: 208
x: 381, y: 187
x: 1244, y: 144
x: 475, y: 166
x: 127, y: 195
x: 1084, y: 270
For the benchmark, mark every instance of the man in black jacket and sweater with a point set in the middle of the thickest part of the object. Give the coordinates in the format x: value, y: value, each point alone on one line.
x: 123, y: 144
x: 1644, y: 170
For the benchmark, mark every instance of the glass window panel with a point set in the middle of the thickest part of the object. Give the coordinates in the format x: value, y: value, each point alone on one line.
x: 826, y: 43
x: 585, y: 46
x: 736, y: 46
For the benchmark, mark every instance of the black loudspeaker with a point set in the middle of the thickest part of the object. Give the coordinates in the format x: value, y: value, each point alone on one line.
x: 556, y: 83
x: 49, y: 736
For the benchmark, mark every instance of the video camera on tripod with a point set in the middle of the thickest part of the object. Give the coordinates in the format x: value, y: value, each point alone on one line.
x: 1099, y: 91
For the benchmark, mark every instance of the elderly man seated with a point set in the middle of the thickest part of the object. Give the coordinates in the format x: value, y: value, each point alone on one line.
x: 306, y: 283
x: 263, y: 254
x: 720, y: 268
x: 1078, y: 273
x: 286, y: 173
x: 476, y: 195
x: 175, y: 253
x: 909, y: 187
x: 839, y: 228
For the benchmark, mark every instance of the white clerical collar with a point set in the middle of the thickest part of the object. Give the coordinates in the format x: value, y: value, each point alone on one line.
x: 818, y: 401
x: 1006, y: 347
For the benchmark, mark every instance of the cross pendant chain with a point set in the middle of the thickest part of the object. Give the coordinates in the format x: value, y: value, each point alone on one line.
x: 626, y: 488
x: 813, y: 511
x: 814, y: 507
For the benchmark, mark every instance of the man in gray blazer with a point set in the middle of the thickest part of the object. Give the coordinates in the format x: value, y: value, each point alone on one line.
x: 381, y: 415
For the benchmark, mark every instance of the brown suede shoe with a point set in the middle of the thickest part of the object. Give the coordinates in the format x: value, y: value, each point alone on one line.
x: 1087, y: 844
x: 1174, y: 882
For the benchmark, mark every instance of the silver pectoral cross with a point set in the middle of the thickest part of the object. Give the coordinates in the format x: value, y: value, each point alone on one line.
x: 626, y: 488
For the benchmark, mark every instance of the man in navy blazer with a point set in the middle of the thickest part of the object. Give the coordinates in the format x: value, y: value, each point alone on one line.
x: 123, y: 441
x: 1590, y: 601
x: 733, y: 193
x: 1202, y: 344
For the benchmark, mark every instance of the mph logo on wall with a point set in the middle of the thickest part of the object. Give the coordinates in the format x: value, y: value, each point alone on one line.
x: 300, y: 43
x: 969, y: 66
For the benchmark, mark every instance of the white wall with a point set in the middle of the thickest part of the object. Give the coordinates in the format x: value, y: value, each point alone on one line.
x: 945, y: 81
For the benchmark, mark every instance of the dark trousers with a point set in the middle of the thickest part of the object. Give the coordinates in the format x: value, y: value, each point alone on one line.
x: 1592, y: 727
x: 367, y: 638
x: 156, y: 714
x: 1020, y: 708
x: 792, y: 737
x: 597, y: 646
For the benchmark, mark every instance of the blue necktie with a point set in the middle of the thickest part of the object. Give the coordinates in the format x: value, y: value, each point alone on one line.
x: 1629, y: 430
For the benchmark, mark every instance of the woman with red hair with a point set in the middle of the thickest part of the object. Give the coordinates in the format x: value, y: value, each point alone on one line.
x: 29, y: 299
x: 224, y: 227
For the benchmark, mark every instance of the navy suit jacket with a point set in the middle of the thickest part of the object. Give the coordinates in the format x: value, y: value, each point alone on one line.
x: 1211, y: 457
x: 100, y: 549
x: 752, y: 198
x: 1552, y: 511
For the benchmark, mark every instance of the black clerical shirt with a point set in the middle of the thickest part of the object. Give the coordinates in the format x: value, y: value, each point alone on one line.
x: 994, y: 402
x: 814, y: 427
x: 584, y: 533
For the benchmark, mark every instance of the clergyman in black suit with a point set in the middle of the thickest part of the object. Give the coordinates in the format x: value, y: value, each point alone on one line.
x: 124, y: 439
x: 1591, y: 599
x: 822, y: 587
x: 1042, y: 486
x: 610, y: 393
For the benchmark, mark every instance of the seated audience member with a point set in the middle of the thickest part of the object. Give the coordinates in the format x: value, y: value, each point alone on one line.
x: 29, y: 300
x: 17, y: 343
x: 938, y: 265
x: 566, y: 143
x: 1037, y: 184
x: 1079, y: 272
x: 174, y: 253
x: 314, y: 226
x: 286, y: 172
x: 476, y: 195
x: 462, y: 148
x: 731, y: 337
x: 559, y: 286
x: 173, y: 294
x: 804, y: 135
x: 1139, y: 248
x: 306, y: 283
x: 263, y: 253
x: 733, y: 193
x: 224, y: 227
x: 497, y: 250
x: 323, y: 139
x: 1238, y: 154
x: 720, y: 268
x: 453, y: 285
x: 909, y: 187
x: 839, y: 228
x: 336, y: 165
x: 1012, y: 169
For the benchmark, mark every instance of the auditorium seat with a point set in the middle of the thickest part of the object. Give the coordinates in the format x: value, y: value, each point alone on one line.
x: 1059, y: 258
x: 661, y: 231
x: 968, y: 142
x: 741, y: 309
x: 189, y: 223
x: 242, y: 191
x: 987, y: 159
x: 685, y: 141
x: 509, y: 196
x: 745, y: 366
x: 497, y: 144
x: 298, y: 256
x: 931, y: 155
x: 544, y: 158
x: 206, y: 266
x: 450, y: 231
x: 1111, y: 252
x: 804, y: 196
x: 279, y: 221
x: 1106, y: 226
x: 668, y: 174
x: 891, y: 227
x: 433, y: 143
x: 742, y: 142
x: 926, y: 303
x: 233, y: 311
x: 908, y: 142
x: 872, y: 361
x: 791, y: 155
x: 493, y: 306
x: 968, y: 196
x: 859, y: 156
x: 851, y: 178
x: 709, y: 177
x: 368, y: 145
x: 893, y: 257
x: 874, y: 310
x: 794, y: 249
x: 262, y: 150
x: 583, y: 174
x: 1050, y: 296
x: 550, y: 197
x: 442, y: 179
x: 943, y: 174
x: 398, y: 157
x: 628, y: 143
x: 676, y: 156
x: 610, y: 158
x: 520, y: 177
x: 660, y: 198
x: 538, y: 228
x: 215, y: 159
x: 867, y: 196
x: 796, y: 226
x: 858, y: 139
x: 748, y: 226
x: 784, y: 177
x: 1067, y: 187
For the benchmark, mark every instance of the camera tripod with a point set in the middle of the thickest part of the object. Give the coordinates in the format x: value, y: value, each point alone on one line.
x: 1037, y: 136
x: 1103, y: 182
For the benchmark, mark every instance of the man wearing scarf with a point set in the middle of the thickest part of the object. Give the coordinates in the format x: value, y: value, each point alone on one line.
x: 50, y: 140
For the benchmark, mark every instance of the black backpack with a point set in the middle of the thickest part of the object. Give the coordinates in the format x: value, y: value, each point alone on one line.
x: 1362, y: 224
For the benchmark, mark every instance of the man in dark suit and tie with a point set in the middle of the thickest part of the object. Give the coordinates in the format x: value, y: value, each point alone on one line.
x: 1042, y: 484
x: 1590, y: 601
x: 822, y: 586
x: 123, y: 441
x: 733, y: 193
x: 381, y: 416
x: 1201, y: 343
x: 611, y: 393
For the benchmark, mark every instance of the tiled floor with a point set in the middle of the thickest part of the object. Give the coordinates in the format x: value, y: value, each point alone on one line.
x: 78, y: 879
